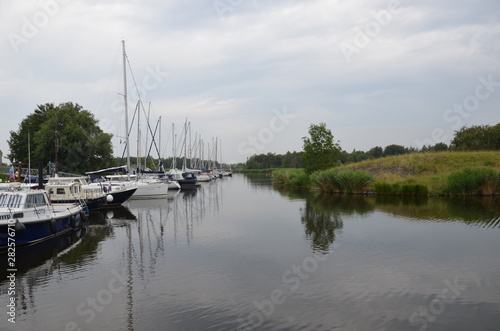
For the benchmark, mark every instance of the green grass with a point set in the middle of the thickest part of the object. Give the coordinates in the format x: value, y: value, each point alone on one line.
x: 430, y: 170
x: 420, y: 174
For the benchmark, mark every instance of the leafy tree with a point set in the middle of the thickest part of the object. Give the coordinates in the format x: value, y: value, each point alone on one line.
x: 376, y: 152
x: 66, y: 133
x: 394, y: 150
x: 320, y: 151
x: 475, y: 138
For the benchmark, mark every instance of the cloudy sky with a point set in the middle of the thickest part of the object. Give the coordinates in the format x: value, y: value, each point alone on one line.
x: 257, y: 73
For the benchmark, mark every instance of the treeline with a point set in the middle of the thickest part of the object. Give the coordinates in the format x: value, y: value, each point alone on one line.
x: 272, y: 160
x: 474, y: 138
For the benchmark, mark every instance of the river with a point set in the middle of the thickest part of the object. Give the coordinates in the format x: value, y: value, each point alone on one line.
x: 237, y: 254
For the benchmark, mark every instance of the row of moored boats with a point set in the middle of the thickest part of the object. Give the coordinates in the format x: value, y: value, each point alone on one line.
x: 30, y: 213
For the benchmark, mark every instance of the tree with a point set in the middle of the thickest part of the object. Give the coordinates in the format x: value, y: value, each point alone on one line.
x: 66, y: 134
x: 320, y: 151
x: 476, y: 138
x: 376, y: 152
x: 394, y: 150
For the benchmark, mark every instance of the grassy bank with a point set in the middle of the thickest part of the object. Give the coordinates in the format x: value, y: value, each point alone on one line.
x: 446, y: 173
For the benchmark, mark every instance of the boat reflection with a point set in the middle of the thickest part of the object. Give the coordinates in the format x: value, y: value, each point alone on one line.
x: 43, y: 255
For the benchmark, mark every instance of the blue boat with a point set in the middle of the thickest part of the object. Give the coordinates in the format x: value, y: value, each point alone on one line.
x: 28, y: 217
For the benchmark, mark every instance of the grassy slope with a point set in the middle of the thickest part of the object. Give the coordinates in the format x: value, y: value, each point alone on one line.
x: 426, y: 169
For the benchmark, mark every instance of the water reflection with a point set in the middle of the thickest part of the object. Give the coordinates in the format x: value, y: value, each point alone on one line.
x: 44, y: 256
x: 320, y: 224
x: 39, y: 264
x: 202, y: 259
x: 474, y: 211
x: 322, y: 216
x: 478, y: 211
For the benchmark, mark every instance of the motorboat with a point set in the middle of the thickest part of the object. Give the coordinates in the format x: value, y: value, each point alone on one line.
x: 28, y: 216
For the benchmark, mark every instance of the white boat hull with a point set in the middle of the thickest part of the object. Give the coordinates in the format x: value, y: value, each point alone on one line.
x: 150, y: 190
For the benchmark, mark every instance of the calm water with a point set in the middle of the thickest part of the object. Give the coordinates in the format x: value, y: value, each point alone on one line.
x: 238, y: 255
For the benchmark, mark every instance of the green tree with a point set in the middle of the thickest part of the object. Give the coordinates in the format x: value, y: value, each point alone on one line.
x: 376, y: 152
x: 66, y: 133
x: 320, y: 150
x: 394, y: 150
x: 476, y: 138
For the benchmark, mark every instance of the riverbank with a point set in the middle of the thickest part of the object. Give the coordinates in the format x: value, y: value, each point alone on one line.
x: 445, y: 173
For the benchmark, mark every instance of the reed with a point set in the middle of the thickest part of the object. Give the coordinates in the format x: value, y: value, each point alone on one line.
x: 341, y: 181
x: 473, y: 181
x: 291, y: 178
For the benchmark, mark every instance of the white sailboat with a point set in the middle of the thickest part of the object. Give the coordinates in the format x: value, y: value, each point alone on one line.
x: 146, y: 187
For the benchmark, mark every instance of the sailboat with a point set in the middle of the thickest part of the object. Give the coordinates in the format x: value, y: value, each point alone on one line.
x: 185, y: 177
x: 147, y: 188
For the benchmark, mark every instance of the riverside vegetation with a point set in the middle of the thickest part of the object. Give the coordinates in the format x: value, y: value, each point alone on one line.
x: 419, y: 174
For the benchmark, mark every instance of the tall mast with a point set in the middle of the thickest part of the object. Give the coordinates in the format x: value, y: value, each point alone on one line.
x: 184, y: 165
x: 174, y: 161
x: 126, y: 107
x: 138, y: 138
x: 29, y: 159
x: 159, y: 147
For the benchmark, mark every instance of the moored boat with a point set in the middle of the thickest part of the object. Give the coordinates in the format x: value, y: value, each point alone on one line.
x: 146, y: 188
x: 62, y: 191
x: 28, y: 216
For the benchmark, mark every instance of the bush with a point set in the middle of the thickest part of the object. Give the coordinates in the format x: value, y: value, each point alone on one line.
x: 473, y: 181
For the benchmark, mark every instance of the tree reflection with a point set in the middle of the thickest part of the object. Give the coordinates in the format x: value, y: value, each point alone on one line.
x: 322, y: 217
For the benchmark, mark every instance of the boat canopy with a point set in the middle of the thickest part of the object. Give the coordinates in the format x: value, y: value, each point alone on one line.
x: 108, y: 170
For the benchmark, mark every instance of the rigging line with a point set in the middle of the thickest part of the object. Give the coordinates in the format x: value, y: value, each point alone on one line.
x: 150, y: 130
x: 127, y: 137
x: 140, y: 100
x: 151, y: 146
x: 104, y: 95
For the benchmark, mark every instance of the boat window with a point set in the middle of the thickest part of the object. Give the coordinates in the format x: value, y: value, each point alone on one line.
x: 3, y: 199
x: 60, y: 191
x: 34, y: 200
x: 13, y: 201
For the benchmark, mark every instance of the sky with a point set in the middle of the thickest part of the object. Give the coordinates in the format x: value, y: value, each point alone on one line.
x: 256, y: 74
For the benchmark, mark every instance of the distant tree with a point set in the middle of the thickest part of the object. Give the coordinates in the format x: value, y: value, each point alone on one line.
x: 376, y: 152
x: 292, y: 160
x: 320, y: 150
x: 475, y: 138
x: 439, y: 147
x: 394, y: 150
x: 66, y: 134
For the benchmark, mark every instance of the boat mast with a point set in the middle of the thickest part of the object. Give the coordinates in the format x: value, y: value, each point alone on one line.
x: 138, y: 138
x: 29, y: 159
x: 159, y: 147
x: 174, y: 161
x: 126, y: 108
